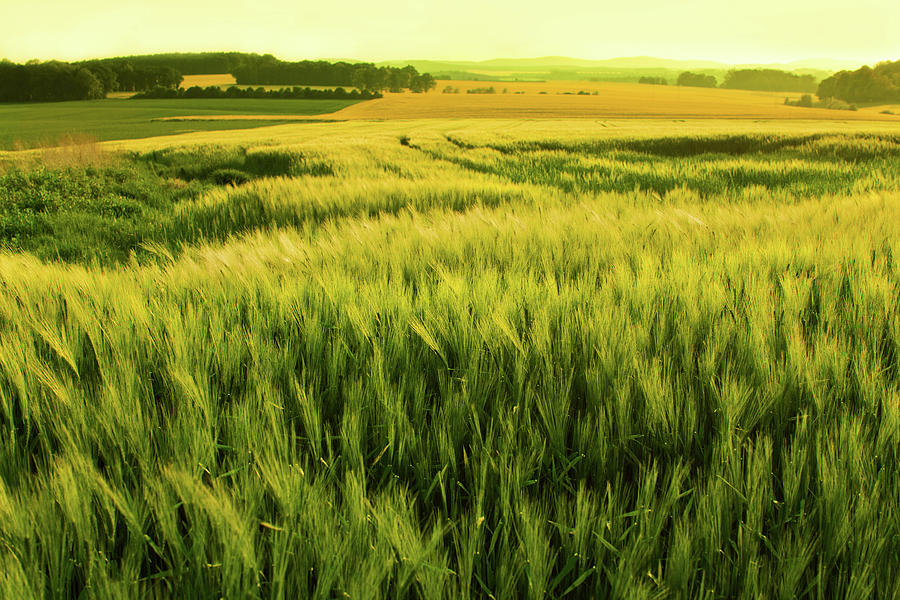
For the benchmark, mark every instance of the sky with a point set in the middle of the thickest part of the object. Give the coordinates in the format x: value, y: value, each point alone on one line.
x: 736, y: 31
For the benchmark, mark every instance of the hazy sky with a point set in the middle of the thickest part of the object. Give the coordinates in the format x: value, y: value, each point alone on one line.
x: 730, y: 31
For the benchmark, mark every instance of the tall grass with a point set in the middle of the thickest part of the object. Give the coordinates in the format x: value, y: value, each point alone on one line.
x: 717, y: 167
x: 415, y: 387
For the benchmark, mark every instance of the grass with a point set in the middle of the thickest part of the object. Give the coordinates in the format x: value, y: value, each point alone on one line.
x: 35, y: 125
x: 798, y: 166
x: 433, y: 371
x: 109, y: 210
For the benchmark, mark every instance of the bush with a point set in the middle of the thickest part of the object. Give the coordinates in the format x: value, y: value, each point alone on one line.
x: 294, y: 93
x: 768, y: 80
x: 107, y: 213
x: 229, y: 177
x: 690, y: 79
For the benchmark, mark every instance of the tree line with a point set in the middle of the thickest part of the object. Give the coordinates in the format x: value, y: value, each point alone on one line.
x: 47, y: 82
x: 122, y: 75
x: 50, y: 81
x: 55, y: 81
x: 268, y: 70
x: 866, y: 84
x: 691, y: 79
x: 234, y: 91
x: 769, y: 80
x: 188, y: 63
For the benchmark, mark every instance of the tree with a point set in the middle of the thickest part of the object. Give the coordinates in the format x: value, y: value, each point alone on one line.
x: 85, y: 86
x: 105, y: 75
x: 369, y: 78
x: 771, y: 80
x: 696, y: 80
x: 881, y: 84
x: 13, y: 82
x: 422, y: 83
x: 47, y: 82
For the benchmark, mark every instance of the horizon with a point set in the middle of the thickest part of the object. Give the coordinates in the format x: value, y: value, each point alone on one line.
x: 380, y: 60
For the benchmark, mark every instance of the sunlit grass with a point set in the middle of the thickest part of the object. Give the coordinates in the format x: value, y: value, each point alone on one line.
x: 435, y: 372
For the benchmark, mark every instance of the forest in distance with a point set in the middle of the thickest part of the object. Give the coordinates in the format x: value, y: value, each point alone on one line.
x: 51, y: 81
x: 55, y: 80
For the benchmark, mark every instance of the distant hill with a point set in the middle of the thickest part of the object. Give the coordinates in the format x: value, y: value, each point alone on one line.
x: 554, y: 68
x: 559, y: 63
x: 565, y: 63
x: 825, y: 64
x: 196, y: 63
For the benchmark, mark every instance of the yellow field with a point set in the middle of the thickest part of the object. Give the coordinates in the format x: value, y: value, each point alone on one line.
x: 894, y: 108
x: 358, y: 133
x: 604, y: 100
x: 226, y: 80
x: 219, y: 79
x: 613, y: 100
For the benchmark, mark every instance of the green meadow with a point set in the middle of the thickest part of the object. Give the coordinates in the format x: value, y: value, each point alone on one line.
x: 41, y: 124
x: 465, y: 363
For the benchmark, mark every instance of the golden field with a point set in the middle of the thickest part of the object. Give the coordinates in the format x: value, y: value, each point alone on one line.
x: 360, y: 132
x: 613, y: 100
x: 604, y: 100
x: 218, y: 79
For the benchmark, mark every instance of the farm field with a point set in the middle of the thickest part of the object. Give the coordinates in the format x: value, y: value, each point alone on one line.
x: 216, y: 79
x: 454, y: 358
x: 33, y: 125
x: 226, y: 80
x: 598, y: 100
x: 613, y: 100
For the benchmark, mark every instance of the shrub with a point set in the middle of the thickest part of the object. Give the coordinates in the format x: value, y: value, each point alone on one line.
x: 690, y: 79
x: 229, y: 177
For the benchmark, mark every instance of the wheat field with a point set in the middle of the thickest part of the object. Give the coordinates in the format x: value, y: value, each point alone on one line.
x: 461, y: 358
x: 213, y: 79
x: 599, y: 100
x: 613, y: 100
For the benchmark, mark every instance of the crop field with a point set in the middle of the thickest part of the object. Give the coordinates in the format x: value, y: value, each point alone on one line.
x: 584, y: 100
x: 454, y: 359
x: 34, y: 125
x: 216, y: 79
x: 226, y: 80
x: 560, y: 99
x: 37, y: 125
